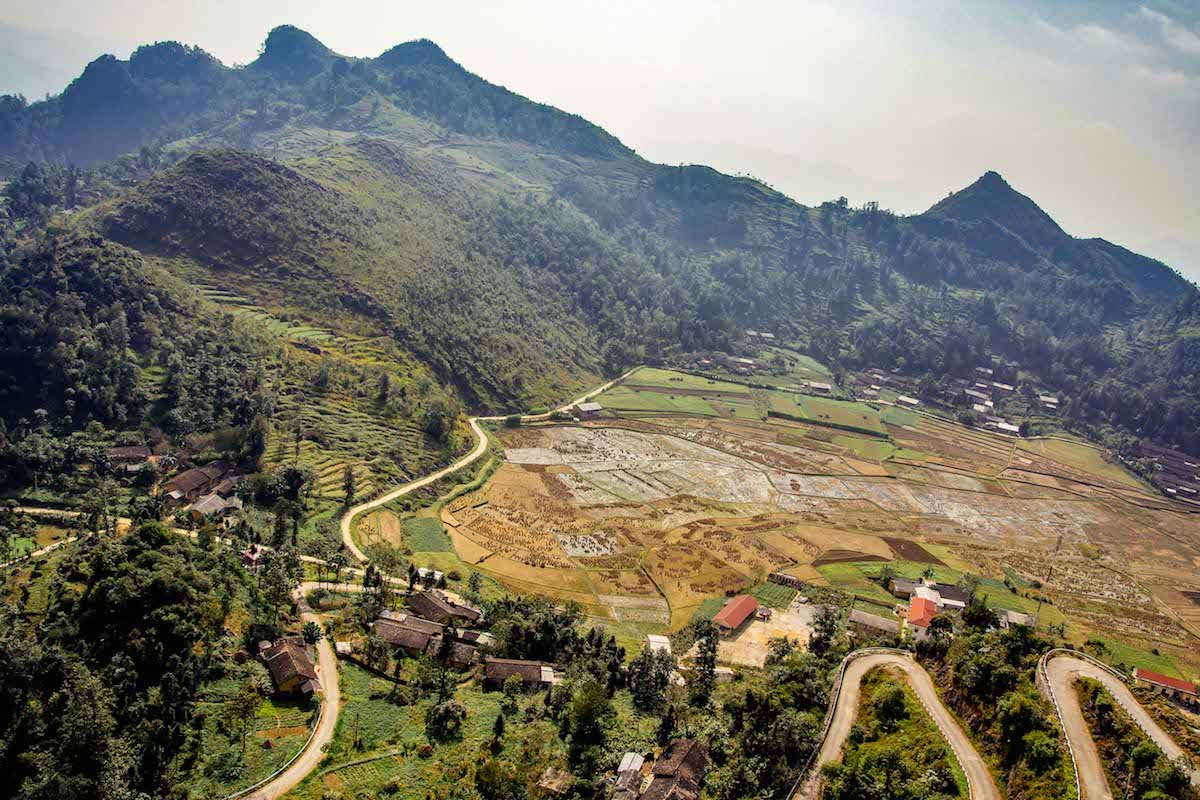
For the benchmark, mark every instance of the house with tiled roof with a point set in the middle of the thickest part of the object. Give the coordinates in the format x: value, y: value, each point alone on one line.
x: 533, y: 674
x: 437, y: 607
x: 735, y: 613
x: 292, y: 670
x: 1175, y: 688
x: 921, y: 612
x: 679, y: 773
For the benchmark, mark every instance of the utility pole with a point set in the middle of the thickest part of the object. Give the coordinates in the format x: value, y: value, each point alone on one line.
x: 1049, y: 575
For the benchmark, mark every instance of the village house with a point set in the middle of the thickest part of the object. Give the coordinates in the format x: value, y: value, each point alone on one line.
x: 412, y: 641
x: 455, y: 654
x: 1179, y: 690
x: 920, y: 615
x: 985, y: 371
x: 820, y: 387
x: 533, y: 674
x: 679, y: 773
x: 1007, y: 618
x: 189, y: 485
x: 437, y: 607
x: 735, y: 613
x: 291, y: 669
x: 630, y: 775
x: 584, y: 411
x: 905, y: 400
x: 1049, y: 402
x: 213, y: 505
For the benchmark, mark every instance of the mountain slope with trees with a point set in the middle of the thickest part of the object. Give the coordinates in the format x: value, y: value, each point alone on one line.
x: 517, y: 250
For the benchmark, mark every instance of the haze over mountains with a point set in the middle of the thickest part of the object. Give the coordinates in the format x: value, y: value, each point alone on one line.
x: 517, y: 251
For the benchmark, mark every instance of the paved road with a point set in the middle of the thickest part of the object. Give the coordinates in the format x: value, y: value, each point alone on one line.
x: 980, y: 780
x: 1062, y: 670
x: 480, y: 448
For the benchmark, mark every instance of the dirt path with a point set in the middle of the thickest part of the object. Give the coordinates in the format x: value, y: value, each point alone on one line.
x: 1061, y: 672
x: 979, y: 780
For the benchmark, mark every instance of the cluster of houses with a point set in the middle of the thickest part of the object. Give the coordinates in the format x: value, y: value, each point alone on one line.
x: 1175, y: 472
x: 436, y: 625
x: 926, y: 600
x: 678, y: 774
x: 736, y: 365
x: 208, y: 491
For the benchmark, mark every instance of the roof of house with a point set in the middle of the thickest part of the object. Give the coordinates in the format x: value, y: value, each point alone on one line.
x: 211, y: 504
x: 411, y: 621
x: 631, y: 761
x: 921, y: 612
x: 908, y: 401
x: 875, y: 621
x: 501, y: 669
x: 398, y: 635
x: 1008, y: 426
x: 736, y: 611
x: 191, y: 479
x: 903, y: 585
x: 679, y: 773
x: 286, y: 659
x: 821, y: 385
x: 434, y: 606
x: 1164, y: 680
x: 460, y: 655
x: 590, y: 407
x: 656, y: 641
x: 949, y: 591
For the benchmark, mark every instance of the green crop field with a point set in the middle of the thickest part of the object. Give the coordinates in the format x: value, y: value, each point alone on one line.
x: 426, y: 535
x: 669, y: 379
x: 774, y: 595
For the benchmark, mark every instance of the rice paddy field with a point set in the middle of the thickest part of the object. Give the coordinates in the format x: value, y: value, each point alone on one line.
x: 648, y: 520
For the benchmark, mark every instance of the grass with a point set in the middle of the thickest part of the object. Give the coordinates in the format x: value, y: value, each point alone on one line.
x: 774, y: 595
x: 850, y: 578
x: 1128, y: 657
x: 900, y: 417
x: 1081, y: 457
x: 669, y: 379
x: 426, y: 535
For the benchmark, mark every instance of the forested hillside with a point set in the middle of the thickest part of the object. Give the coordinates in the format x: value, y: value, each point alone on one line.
x: 517, y: 251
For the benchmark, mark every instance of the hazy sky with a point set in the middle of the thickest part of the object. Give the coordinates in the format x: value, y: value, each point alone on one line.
x: 1091, y: 108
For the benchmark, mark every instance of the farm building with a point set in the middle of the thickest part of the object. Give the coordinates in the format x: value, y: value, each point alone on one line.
x: 1008, y: 427
x: 1174, y: 688
x: 985, y: 371
x: 868, y: 624
x: 735, y: 613
x: 455, y: 654
x: 533, y: 674
x: 291, y: 669
x: 588, y: 410
x: 1049, y: 401
x: 905, y: 400
x: 821, y: 387
x: 679, y: 774
x: 1004, y: 387
x: 437, y: 607
x: 783, y: 579
x: 902, y: 587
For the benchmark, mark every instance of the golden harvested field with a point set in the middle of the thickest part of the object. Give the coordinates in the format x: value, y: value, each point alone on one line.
x: 643, y: 520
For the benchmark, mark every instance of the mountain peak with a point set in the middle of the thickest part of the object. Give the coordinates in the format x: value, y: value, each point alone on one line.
x: 992, y: 199
x: 421, y: 52
x: 292, y: 53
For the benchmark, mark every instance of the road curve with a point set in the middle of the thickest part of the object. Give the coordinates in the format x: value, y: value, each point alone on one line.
x: 1061, y: 672
x: 978, y: 778
x: 480, y: 448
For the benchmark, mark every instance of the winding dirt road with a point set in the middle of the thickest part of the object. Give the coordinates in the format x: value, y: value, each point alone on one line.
x: 978, y: 778
x: 1061, y: 672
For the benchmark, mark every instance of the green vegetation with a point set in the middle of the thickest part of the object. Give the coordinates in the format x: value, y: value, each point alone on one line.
x: 774, y: 595
x: 894, y: 748
x: 426, y: 535
x: 1137, y: 769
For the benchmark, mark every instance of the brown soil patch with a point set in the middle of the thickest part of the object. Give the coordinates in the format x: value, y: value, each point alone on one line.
x: 279, y: 733
x: 911, y: 551
x: 842, y: 556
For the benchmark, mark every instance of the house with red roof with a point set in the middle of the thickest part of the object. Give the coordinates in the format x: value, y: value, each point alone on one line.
x: 921, y: 612
x: 1175, y: 688
x: 735, y: 613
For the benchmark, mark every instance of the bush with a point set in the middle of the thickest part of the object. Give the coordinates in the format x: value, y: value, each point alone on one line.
x: 512, y: 421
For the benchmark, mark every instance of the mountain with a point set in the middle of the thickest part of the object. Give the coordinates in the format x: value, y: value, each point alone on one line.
x: 513, y: 251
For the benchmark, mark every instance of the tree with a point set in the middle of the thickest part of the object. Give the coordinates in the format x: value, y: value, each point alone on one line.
x: 348, y: 486
x: 648, y: 677
x: 498, y: 780
x: 238, y: 714
x: 474, y: 584
x: 377, y: 653
x: 825, y: 625
x: 977, y: 615
x: 890, y: 706
x: 312, y: 633
x: 705, y: 680
x: 586, y: 725
x: 445, y: 719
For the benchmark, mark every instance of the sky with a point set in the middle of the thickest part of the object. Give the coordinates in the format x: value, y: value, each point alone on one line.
x: 1090, y: 108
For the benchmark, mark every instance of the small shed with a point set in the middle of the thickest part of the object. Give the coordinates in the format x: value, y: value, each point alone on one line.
x: 589, y: 410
